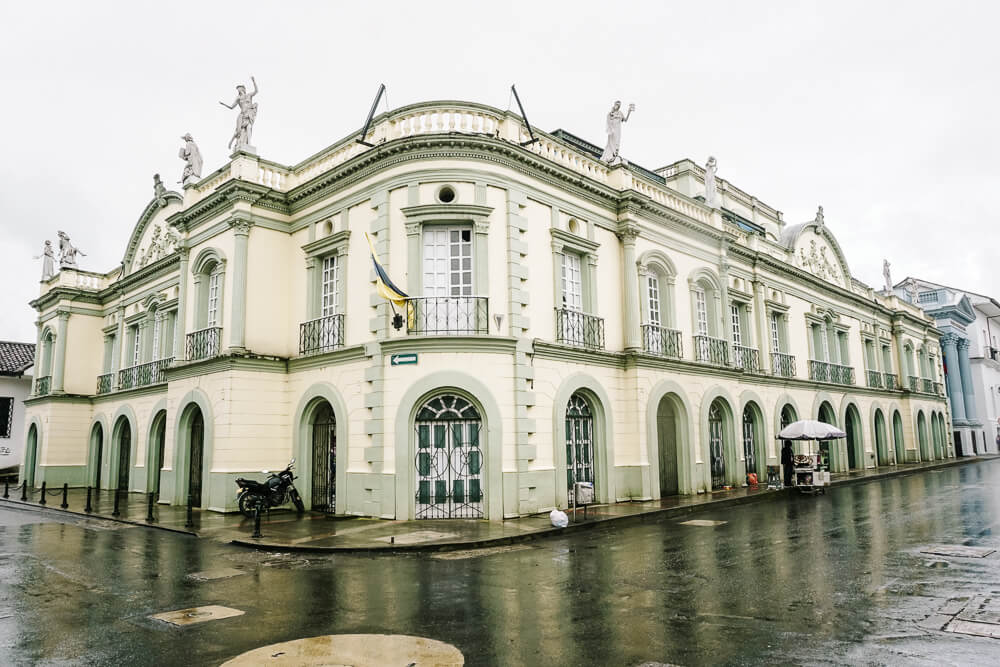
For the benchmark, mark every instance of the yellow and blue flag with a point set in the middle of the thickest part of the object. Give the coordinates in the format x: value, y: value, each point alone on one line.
x: 383, y: 284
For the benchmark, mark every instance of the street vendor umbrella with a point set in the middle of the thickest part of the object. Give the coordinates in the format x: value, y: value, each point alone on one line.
x: 810, y: 429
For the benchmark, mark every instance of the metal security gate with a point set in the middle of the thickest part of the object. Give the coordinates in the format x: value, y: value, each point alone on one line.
x: 124, y: 450
x: 197, y: 458
x: 579, y: 442
x: 324, y: 460
x: 449, y: 460
x: 716, y: 448
x: 749, y: 453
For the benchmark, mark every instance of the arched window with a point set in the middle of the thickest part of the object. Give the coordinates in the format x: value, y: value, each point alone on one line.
x: 710, y: 345
x: 656, y: 289
x: 716, y: 445
x: 449, y: 459
x: 579, y: 442
x: 44, y: 376
x: 750, y: 437
x: 209, y: 271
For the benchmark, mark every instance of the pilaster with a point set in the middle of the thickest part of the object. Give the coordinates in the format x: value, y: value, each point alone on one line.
x: 59, y: 365
x: 180, y: 322
x: 237, y: 330
x: 953, y: 379
x: 968, y: 390
x: 628, y: 233
x: 763, y: 331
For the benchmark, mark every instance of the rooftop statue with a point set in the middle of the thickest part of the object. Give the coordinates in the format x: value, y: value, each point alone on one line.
x: 248, y: 114
x: 192, y: 160
x: 48, y: 258
x: 614, y: 129
x: 819, y: 216
x: 711, y: 193
x: 67, y: 252
x: 886, y: 275
x: 159, y: 191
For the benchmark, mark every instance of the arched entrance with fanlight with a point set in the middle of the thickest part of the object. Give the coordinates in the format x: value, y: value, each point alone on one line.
x: 449, y: 462
x: 324, y: 458
x: 881, y: 446
x: 855, y: 439
x: 827, y: 415
x: 897, y: 437
x: 754, y: 451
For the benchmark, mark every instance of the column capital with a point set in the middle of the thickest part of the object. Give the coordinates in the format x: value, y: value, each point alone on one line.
x: 963, y: 345
x: 949, y: 340
x: 627, y: 232
x: 62, y: 314
x: 241, y: 225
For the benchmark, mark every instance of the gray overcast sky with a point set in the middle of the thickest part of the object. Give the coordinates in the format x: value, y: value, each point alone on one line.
x: 885, y: 113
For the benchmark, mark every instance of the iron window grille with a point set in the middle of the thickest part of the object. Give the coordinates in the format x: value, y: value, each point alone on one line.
x: 711, y: 350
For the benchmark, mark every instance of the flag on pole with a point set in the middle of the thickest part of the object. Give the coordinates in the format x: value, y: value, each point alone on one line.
x: 383, y: 284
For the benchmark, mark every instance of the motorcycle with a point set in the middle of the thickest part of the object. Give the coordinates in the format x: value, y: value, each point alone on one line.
x: 276, y: 490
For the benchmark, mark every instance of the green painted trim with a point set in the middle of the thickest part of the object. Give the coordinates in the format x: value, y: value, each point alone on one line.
x: 730, y: 429
x: 328, y: 244
x: 126, y: 413
x: 555, y: 351
x: 147, y: 390
x: 344, y: 355
x: 55, y: 476
x: 223, y: 364
x: 450, y: 344
x: 61, y: 398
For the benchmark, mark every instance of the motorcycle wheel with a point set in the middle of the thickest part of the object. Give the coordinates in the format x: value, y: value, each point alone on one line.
x: 248, y: 502
x: 297, y: 500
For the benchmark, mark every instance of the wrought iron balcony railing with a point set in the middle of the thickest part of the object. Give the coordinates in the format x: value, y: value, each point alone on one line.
x: 711, y: 350
x: 662, y: 341
x: 323, y: 334
x: 449, y: 315
x: 913, y: 382
x: 891, y: 381
x: 105, y: 383
x: 747, y: 358
x: 927, y: 385
x: 783, y: 364
x: 143, y: 374
x: 875, y: 379
x: 204, y: 343
x: 576, y: 328
x: 939, y: 388
x: 823, y: 371
x: 42, y: 385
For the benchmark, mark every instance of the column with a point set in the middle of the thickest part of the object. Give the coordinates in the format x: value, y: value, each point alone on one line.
x: 237, y: 330
x: 897, y: 335
x: 39, y: 360
x: 180, y: 324
x: 763, y: 330
x: 628, y: 234
x: 968, y: 390
x: 59, y: 367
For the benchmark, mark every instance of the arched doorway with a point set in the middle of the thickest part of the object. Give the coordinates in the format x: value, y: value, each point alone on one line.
x: 881, y: 443
x: 31, y: 456
x: 718, y: 416
x: 97, y: 453
x: 196, y: 458
x: 855, y: 439
x: 754, y: 453
x: 788, y: 416
x: 925, y: 454
x: 579, y: 443
x: 123, y: 443
x: 449, y: 460
x: 154, y: 456
x: 827, y: 415
x: 897, y: 437
x: 670, y: 420
x: 324, y: 459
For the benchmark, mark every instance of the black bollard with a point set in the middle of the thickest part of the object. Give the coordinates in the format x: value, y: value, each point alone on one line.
x: 115, y: 512
x: 149, y: 512
x: 64, y: 504
x: 41, y: 501
x: 89, y: 508
x: 6, y: 489
x: 190, y: 513
x: 256, y: 522
x: 24, y: 491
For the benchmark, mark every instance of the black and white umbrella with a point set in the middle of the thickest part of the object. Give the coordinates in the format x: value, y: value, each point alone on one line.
x: 810, y: 429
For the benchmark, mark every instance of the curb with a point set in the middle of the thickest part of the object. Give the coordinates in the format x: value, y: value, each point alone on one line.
x: 18, y: 504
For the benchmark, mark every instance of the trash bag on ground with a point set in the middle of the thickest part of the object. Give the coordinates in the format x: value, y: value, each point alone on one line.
x: 558, y: 519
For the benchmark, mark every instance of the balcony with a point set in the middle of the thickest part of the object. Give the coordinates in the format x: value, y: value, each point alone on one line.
x: 913, y: 382
x: 105, y: 383
x: 323, y: 334
x: 927, y: 385
x: 747, y: 358
x: 581, y: 329
x: 874, y: 379
x: 203, y: 344
x: 891, y: 381
x: 662, y: 341
x: 447, y: 315
x: 143, y: 375
x: 822, y: 371
x: 782, y: 365
x: 939, y: 388
x: 711, y: 350
x: 42, y: 385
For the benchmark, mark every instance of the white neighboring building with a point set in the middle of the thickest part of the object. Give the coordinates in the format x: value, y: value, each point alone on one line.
x: 970, y: 324
x: 16, y: 362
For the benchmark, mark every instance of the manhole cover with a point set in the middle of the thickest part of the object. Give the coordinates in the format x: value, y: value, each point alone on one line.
x: 702, y: 522
x: 415, y: 537
x: 957, y: 550
x: 355, y: 650
x: 221, y: 573
x: 196, y: 615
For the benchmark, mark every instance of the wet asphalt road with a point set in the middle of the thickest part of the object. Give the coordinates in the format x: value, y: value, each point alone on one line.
x: 838, y: 579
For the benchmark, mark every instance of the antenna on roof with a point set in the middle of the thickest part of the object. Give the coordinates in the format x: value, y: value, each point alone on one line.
x: 525, y: 117
x: 371, y: 114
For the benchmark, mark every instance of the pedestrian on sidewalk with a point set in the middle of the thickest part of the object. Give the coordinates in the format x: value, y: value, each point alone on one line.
x: 786, y: 461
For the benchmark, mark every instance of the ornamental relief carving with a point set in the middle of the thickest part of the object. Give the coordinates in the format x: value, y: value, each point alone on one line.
x: 817, y: 262
x: 161, y: 243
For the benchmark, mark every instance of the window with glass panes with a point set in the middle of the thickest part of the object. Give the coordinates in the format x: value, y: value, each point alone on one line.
x: 572, y: 282
x: 775, y: 336
x: 157, y: 333
x: 330, y: 287
x: 136, y: 346
x: 701, y: 312
x: 447, y: 261
x: 653, y: 293
x: 214, y: 290
x: 734, y: 311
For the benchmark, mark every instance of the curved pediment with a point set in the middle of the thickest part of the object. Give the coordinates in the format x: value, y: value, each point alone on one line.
x: 152, y: 238
x: 816, y: 251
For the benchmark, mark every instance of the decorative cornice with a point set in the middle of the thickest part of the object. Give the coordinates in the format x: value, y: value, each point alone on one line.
x: 562, y: 238
x: 327, y: 244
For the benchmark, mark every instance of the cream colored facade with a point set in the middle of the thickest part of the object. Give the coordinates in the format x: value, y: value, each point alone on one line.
x: 544, y: 283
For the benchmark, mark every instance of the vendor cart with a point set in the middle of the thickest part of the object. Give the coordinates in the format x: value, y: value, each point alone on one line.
x: 811, y: 469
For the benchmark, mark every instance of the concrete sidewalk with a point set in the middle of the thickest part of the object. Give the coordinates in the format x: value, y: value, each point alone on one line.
x: 285, y: 530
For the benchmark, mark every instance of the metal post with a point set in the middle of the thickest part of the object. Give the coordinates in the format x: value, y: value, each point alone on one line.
x: 88, y: 509
x: 24, y: 491
x: 64, y: 504
x: 149, y: 511
x: 115, y: 512
x: 41, y: 501
x: 256, y: 521
x: 190, y: 513
x: 6, y: 489
x: 572, y: 457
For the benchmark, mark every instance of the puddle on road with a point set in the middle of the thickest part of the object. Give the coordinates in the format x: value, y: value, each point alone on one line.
x: 220, y: 573
x: 356, y: 650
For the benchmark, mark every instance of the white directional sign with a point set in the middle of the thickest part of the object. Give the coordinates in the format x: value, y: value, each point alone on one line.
x: 402, y: 359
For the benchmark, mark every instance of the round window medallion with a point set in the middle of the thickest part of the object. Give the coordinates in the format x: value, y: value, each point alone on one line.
x: 446, y: 194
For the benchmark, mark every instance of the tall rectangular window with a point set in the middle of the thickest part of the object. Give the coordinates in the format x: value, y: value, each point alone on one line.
x: 447, y: 261
x: 330, y: 287
x: 845, y: 357
x: 6, y: 415
x: 734, y: 311
x: 775, y: 336
x: 136, y: 346
x: 701, y: 313
x: 572, y: 282
x: 653, y: 293
x: 886, y: 359
x: 157, y: 334
x: 214, y: 289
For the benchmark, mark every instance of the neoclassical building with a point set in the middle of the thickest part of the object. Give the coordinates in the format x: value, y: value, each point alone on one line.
x: 567, y: 320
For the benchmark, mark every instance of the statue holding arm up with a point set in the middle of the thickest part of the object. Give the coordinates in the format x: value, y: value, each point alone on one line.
x: 614, y: 129
x: 248, y: 114
x: 48, y: 258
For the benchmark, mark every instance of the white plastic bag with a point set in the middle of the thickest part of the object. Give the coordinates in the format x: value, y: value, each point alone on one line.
x: 558, y: 519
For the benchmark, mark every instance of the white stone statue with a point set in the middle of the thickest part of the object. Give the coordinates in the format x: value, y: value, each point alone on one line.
x: 819, y: 216
x: 48, y: 258
x: 886, y: 275
x: 911, y: 290
x: 614, y: 129
x: 248, y: 114
x: 192, y: 161
x: 159, y: 191
x: 68, y: 252
x: 711, y: 193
